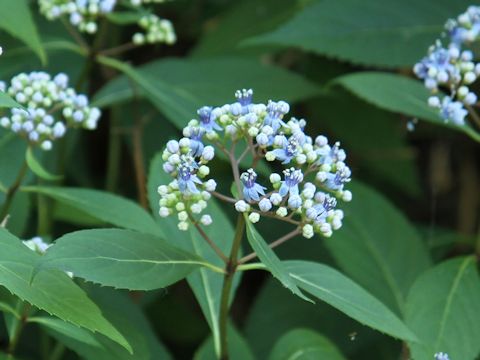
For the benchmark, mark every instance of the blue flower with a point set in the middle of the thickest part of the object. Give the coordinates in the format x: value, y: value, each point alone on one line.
x: 441, y: 356
x: 207, y: 121
x: 437, y: 67
x: 292, y: 179
x: 327, y: 155
x: 275, y: 112
x: 453, y: 111
x: 251, y: 190
x: 288, y: 151
x: 321, y: 210
x: 335, y: 181
x: 244, y: 98
x: 196, y: 145
x: 186, y: 175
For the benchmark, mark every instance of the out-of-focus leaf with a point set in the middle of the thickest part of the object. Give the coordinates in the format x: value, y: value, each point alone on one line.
x: 129, y: 319
x: 270, y: 260
x: 238, y: 348
x: 443, y: 308
x: 7, y: 102
x: 125, y: 17
x: 228, y: 30
x: 37, y: 168
x: 17, y: 20
x: 121, y: 258
x: 206, y: 285
x: 339, y: 291
x: 398, y: 94
x: 51, y: 290
x: 383, y: 33
x: 304, y: 344
x: 378, y: 248
x: 112, y: 209
x: 179, y: 87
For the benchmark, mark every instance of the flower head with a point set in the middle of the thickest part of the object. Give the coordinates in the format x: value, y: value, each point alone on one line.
x: 290, y: 185
x: 207, y: 120
x: 251, y: 190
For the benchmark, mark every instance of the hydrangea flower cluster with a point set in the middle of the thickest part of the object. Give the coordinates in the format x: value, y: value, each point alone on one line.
x: 50, y: 107
x: 156, y: 31
x: 452, y: 68
x: 304, y: 193
x: 85, y: 14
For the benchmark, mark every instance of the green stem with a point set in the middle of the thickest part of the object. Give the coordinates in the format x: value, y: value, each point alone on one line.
x: 252, y: 266
x: 57, y: 352
x: 18, y: 331
x: 12, y: 191
x: 227, y: 286
x: 114, y: 152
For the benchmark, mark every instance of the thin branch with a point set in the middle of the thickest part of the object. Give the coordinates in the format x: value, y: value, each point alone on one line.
x: 474, y: 115
x: 75, y: 35
x: 223, y: 197
x: 272, y: 245
x: 117, y: 50
x: 245, y: 152
x: 207, y: 239
x: 235, y: 170
x: 275, y: 216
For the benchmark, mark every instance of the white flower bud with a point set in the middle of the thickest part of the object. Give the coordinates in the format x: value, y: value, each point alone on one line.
x: 162, y: 189
x: 347, y: 196
x: 321, y: 141
x: 180, y: 206
x: 173, y: 146
x: 46, y: 145
x: 469, y: 77
x: 196, y: 208
x: 183, y: 225
x: 253, y: 131
x: 182, y: 216
x: 301, y: 159
x: 203, y: 171
x: 282, y: 211
x: 208, y: 153
x: 276, y: 199
x: 164, y: 212
x: 326, y: 229
x: 206, y: 220
x: 433, y: 101
x: 254, y: 217
x: 184, y: 142
x: 275, y: 178
x: 270, y: 156
x: 307, y: 231
x: 241, y: 206
x: 210, y: 185
x: 265, y: 205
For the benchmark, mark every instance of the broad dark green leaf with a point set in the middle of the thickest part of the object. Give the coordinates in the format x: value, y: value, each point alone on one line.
x: 378, y: 248
x: 339, y: 291
x: 206, y: 284
x: 179, y: 87
x: 7, y: 102
x: 398, y: 94
x: 270, y: 259
x: 371, y: 32
x: 74, y: 332
x: 102, y: 205
x: 37, y: 168
x: 17, y: 20
x: 443, y: 308
x: 119, y: 309
x: 238, y: 348
x: 229, y: 29
x: 121, y: 258
x: 51, y: 291
x: 305, y: 344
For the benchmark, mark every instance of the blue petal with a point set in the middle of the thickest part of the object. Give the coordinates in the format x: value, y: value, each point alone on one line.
x: 283, y: 189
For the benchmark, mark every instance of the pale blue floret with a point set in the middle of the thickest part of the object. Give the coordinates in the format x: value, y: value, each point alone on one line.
x: 337, y: 180
x: 319, y: 212
x: 187, y: 179
x: 437, y: 68
x: 251, y: 190
x: 290, y: 184
x: 244, y: 100
x: 331, y: 155
x: 453, y: 111
x: 196, y: 145
x: 441, y: 356
x: 207, y: 121
x: 275, y: 112
x: 288, y: 151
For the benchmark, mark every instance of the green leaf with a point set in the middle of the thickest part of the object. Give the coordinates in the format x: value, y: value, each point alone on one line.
x: 17, y: 20
x: 304, y: 344
x: 238, y: 348
x: 206, y: 285
x: 51, y: 291
x: 126, y: 316
x: 443, y: 308
x: 339, y: 291
x: 66, y: 329
x: 121, y: 258
x: 229, y: 28
x: 398, y: 94
x: 101, y: 205
x: 271, y: 261
x: 177, y: 87
x: 37, y: 168
x: 7, y: 102
x: 384, y: 255
x: 385, y: 33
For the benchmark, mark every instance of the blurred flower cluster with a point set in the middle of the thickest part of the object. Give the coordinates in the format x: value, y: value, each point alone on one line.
x: 85, y: 14
x: 304, y: 192
x: 49, y: 108
x: 452, y: 68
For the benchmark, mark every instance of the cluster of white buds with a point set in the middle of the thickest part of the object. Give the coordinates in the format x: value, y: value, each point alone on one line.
x: 140, y: 2
x: 82, y: 14
x: 50, y: 107
x: 310, y: 204
x: 156, y: 31
x: 452, y: 68
x: 187, y: 195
